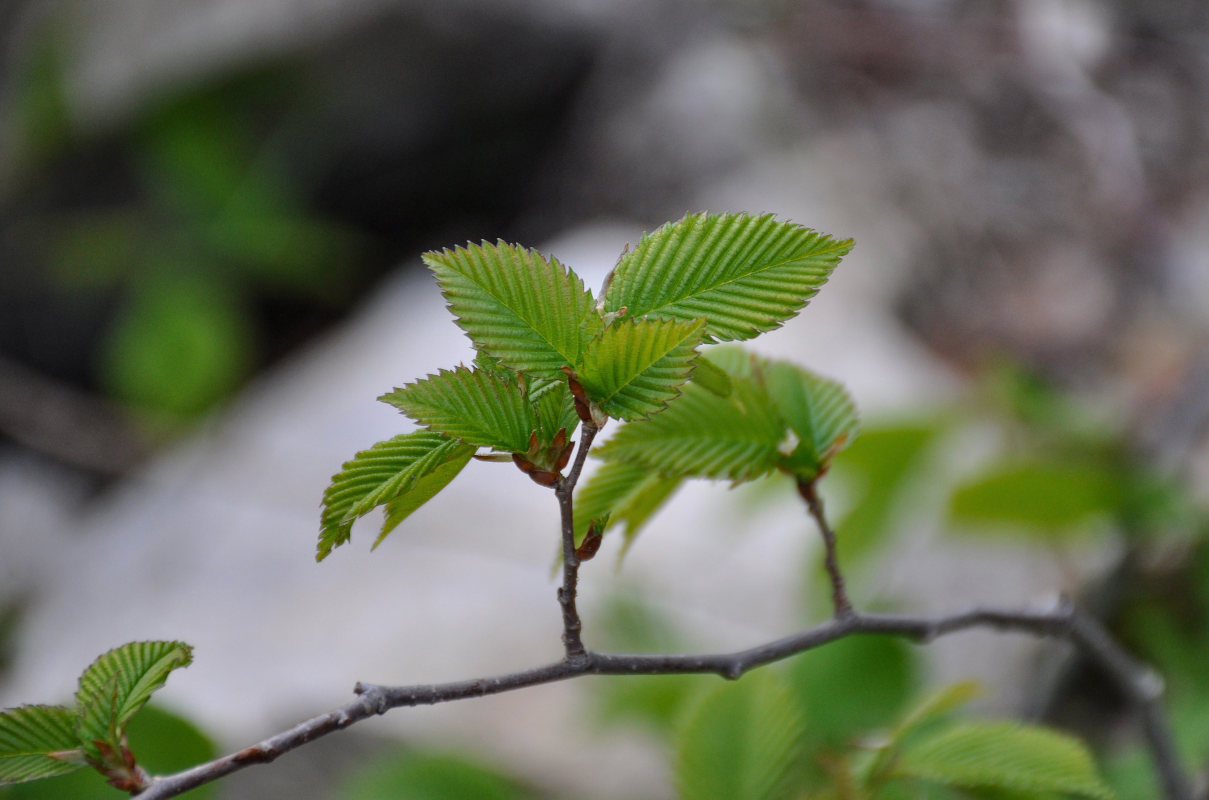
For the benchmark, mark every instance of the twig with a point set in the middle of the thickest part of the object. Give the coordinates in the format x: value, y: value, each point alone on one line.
x: 1062, y: 622
x: 839, y: 595
x: 564, y: 489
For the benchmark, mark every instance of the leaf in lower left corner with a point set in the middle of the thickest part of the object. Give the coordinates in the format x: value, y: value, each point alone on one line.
x: 116, y: 686
x: 38, y: 742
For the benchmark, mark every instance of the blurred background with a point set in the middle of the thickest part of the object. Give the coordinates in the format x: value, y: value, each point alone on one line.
x: 211, y: 215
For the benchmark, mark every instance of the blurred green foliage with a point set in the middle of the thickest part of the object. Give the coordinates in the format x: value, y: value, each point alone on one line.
x: 411, y: 775
x: 199, y: 221
x: 163, y: 742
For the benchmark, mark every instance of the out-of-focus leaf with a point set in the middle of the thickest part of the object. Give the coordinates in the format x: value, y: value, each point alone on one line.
x: 624, y: 492
x: 1007, y: 756
x: 879, y: 465
x: 420, y: 776
x: 1045, y: 496
x: 181, y: 343
x: 853, y: 686
x: 741, y: 740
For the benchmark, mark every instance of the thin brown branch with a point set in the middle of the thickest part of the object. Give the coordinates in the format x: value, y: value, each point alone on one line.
x: 1137, y: 682
x: 564, y: 489
x: 1062, y: 622
x: 839, y: 595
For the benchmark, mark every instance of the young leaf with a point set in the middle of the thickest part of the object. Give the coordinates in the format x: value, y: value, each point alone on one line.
x: 1006, y: 756
x: 532, y: 314
x: 742, y: 740
x: 937, y: 704
x: 471, y: 405
x: 743, y: 274
x: 705, y: 435
x: 819, y: 411
x: 117, y: 685
x: 38, y: 742
x: 635, y: 366
x: 555, y: 410
x: 404, y: 473
x: 709, y: 375
x: 623, y: 492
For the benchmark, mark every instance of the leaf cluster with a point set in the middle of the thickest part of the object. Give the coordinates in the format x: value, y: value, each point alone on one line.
x: 550, y: 356
x: 751, y: 417
x: 41, y: 741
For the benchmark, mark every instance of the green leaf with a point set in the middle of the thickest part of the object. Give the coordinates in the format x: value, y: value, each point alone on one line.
x: 741, y: 740
x: 937, y: 704
x: 623, y: 492
x: 117, y: 685
x: 420, y: 776
x: 30, y: 738
x: 471, y: 405
x: 710, y: 376
x: 636, y: 366
x: 881, y: 465
x: 705, y: 435
x: 404, y: 473
x: 181, y: 342
x: 743, y: 274
x: 1006, y: 756
x: 555, y: 410
x: 1047, y: 496
x: 853, y: 686
x: 819, y: 411
x: 532, y: 314
x: 165, y: 743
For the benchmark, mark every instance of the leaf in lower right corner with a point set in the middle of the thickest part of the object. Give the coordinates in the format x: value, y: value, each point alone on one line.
x: 30, y: 736
x: 1007, y: 756
x: 742, y: 740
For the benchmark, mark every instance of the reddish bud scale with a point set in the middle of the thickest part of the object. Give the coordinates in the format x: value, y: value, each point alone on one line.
x: 589, y: 546
x: 539, y: 475
x: 583, y: 406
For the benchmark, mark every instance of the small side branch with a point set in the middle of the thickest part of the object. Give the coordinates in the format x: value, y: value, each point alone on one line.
x: 839, y: 595
x: 564, y: 489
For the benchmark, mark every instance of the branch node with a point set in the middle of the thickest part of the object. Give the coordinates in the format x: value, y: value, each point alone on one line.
x: 373, y: 696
